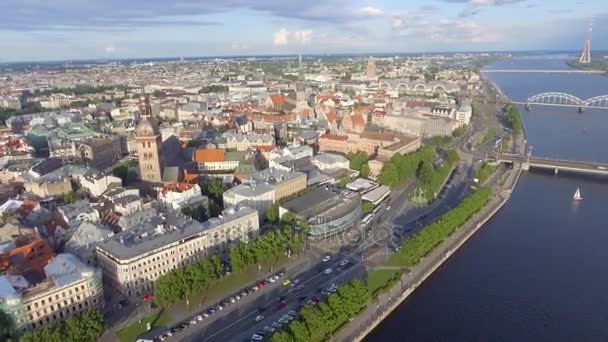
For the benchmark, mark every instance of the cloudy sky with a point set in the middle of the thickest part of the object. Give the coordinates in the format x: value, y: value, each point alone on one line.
x: 82, y: 29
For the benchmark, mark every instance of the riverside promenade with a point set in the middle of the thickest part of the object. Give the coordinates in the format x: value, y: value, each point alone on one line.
x: 380, y: 307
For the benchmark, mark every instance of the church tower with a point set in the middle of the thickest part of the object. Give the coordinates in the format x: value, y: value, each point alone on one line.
x: 148, y: 138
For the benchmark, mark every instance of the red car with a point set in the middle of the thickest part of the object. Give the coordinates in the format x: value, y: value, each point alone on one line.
x: 148, y: 297
x: 260, y: 285
x: 316, y: 299
x: 282, y: 305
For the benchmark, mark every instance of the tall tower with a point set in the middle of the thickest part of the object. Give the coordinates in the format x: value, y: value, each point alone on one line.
x: 148, y: 138
x: 371, y: 68
x: 586, y: 56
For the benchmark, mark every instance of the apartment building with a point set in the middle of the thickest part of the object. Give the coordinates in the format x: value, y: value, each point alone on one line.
x: 132, y: 260
x: 68, y: 287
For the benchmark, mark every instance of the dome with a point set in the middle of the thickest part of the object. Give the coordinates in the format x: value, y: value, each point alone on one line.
x: 147, y: 127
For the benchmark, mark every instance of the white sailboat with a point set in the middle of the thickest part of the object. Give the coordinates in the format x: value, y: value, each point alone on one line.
x: 577, y: 195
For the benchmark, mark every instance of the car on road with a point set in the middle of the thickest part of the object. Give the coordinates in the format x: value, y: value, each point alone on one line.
x: 311, y: 302
x: 288, y: 317
x: 283, y: 320
x: 193, y: 321
x: 269, y: 329
x: 276, y: 325
x: 280, y: 274
x: 257, y: 337
x: 326, y: 258
x: 219, y: 307
x: 344, y: 262
x: 292, y: 313
x: 302, y: 298
x: 281, y: 305
x: 316, y: 299
x: 328, y: 271
x: 286, y: 282
x: 258, y: 318
x: 212, y: 311
x: 601, y: 168
x: 199, y: 317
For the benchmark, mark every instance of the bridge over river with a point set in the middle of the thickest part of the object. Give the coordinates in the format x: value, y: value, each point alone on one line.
x: 540, y: 71
x: 556, y: 165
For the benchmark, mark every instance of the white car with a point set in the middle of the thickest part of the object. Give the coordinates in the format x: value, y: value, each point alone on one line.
x: 276, y: 325
x: 259, y: 318
x: 269, y: 329
x: 292, y: 313
x: 288, y: 317
x: 328, y: 271
x: 272, y: 279
x: 283, y: 321
x: 257, y: 337
x: 193, y: 321
x: 232, y: 300
x: 344, y: 262
x: 326, y: 258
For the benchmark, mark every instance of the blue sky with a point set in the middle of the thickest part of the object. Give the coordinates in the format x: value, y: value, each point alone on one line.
x: 82, y: 29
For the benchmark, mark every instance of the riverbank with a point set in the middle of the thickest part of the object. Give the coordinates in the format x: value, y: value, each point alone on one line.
x: 386, y: 302
x: 595, y: 65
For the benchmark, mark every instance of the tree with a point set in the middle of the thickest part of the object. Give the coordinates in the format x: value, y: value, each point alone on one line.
x: 311, y: 316
x: 69, y: 197
x: 364, y: 170
x: 281, y: 336
x: 272, y: 213
x: 357, y: 160
x: 367, y: 207
x: 299, y: 331
x: 6, y: 325
x: 196, y: 211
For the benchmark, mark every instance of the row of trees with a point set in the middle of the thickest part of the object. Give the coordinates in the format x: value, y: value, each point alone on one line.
x: 358, y: 161
x: 428, y: 238
x: 514, y: 119
x: 185, y: 281
x: 401, y: 168
x: 85, y: 327
x: 266, y: 248
x: 432, y: 178
x: 317, y: 323
x: 213, y: 89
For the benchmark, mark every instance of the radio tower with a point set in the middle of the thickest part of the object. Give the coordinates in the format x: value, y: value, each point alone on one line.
x: 586, y: 56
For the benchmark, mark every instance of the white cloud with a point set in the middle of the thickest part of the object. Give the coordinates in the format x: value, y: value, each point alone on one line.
x: 109, y: 49
x: 371, y: 11
x: 281, y: 37
x: 284, y: 37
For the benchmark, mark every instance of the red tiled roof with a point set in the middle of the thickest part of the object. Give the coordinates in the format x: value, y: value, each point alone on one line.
x: 334, y: 137
x: 357, y: 120
x: 176, y: 187
x: 277, y: 99
x: 209, y: 155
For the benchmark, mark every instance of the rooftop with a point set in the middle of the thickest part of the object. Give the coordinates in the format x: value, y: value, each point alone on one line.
x: 162, y: 231
x: 209, y: 155
x: 309, y: 200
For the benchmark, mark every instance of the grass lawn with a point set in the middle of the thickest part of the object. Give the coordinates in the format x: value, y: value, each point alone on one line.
x: 379, y: 279
x: 132, y: 332
x: 229, y: 285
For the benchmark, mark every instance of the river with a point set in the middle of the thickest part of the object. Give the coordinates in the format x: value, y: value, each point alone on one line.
x: 536, y: 271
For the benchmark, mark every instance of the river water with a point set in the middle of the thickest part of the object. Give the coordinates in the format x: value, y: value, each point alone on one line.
x: 536, y: 271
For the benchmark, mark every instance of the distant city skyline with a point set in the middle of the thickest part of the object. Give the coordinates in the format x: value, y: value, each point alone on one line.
x: 98, y: 29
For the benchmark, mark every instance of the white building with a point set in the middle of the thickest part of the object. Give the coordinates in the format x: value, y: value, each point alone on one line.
x: 176, y: 196
x: 134, y: 259
x: 330, y: 161
x: 69, y: 287
x: 464, y: 114
x: 98, y: 183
